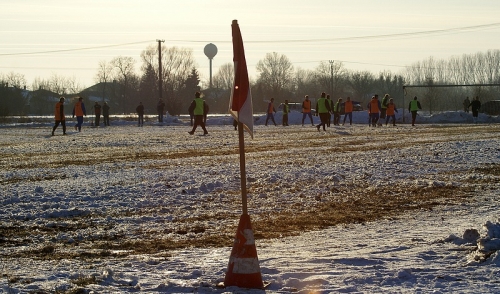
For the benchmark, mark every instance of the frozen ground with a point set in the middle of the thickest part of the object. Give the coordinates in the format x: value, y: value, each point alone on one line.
x: 351, y: 210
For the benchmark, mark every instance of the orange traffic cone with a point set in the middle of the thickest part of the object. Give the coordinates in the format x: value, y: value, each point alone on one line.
x: 243, y: 270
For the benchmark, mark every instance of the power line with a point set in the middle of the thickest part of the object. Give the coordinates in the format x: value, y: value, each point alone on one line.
x: 368, y: 38
x: 76, y: 49
x: 59, y: 68
x: 334, y: 40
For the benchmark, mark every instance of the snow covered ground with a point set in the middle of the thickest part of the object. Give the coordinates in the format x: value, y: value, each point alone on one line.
x: 124, y: 209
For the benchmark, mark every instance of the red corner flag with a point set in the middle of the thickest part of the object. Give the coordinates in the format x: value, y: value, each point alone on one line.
x: 243, y: 269
x: 240, y: 104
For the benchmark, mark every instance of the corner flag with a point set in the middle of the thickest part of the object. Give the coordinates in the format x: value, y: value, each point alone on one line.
x: 240, y: 103
x: 243, y: 269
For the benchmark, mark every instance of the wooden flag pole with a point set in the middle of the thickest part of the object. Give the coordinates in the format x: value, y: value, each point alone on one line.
x: 243, y: 269
x: 242, y: 169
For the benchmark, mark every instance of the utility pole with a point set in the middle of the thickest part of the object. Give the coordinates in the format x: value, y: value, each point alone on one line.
x: 160, y: 76
x: 331, y: 82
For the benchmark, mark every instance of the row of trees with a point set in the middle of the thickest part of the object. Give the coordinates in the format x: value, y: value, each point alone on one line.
x: 118, y: 82
x: 280, y: 80
x: 482, y: 69
x: 179, y: 75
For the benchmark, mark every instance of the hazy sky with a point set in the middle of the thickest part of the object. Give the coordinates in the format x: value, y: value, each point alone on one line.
x: 364, y: 35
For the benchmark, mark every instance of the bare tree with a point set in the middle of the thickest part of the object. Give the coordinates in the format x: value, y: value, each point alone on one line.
x: 361, y: 83
x: 72, y: 86
x: 414, y: 74
x: 149, y: 58
x: 224, y: 77
x: 15, y: 80
x: 39, y: 84
x: 103, y: 77
x: 123, y: 72
x: 429, y: 68
x: 468, y: 65
x: 58, y: 84
x: 492, y: 72
x: 305, y: 84
x: 492, y: 66
x: 123, y: 67
x: 441, y: 71
x: 454, y: 67
x: 331, y: 77
x: 177, y: 64
x: 221, y: 91
x: 103, y: 72
x: 275, y: 74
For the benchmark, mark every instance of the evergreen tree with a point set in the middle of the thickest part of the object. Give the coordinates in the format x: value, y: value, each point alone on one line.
x: 148, y: 89
x: 186, y: 95
x: 12, y: 101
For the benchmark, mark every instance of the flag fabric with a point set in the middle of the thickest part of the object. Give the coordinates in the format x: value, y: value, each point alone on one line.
x: 240, y: 103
